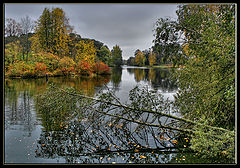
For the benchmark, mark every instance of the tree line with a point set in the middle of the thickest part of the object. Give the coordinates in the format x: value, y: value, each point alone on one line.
x: 49, y: 45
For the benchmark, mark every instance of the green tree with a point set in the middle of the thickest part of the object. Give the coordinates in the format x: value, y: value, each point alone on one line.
x: 12, y: 52
x: 104, y: 55
x: 167, y: 41
x: 207, y: 83
x: 131, y: 61
x: 43, y: 30
x: 116, y: 56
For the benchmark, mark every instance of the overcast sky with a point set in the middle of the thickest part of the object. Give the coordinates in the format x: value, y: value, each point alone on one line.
x: 127, y: 25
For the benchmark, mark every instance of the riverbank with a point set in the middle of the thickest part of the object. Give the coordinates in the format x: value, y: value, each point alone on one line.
x: 22, y: 69
x: 163, y: 66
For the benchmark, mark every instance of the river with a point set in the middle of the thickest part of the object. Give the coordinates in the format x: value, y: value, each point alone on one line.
x: 30, y: 139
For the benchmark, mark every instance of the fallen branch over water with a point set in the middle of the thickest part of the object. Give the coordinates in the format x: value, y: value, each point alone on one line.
x: 144, y: 110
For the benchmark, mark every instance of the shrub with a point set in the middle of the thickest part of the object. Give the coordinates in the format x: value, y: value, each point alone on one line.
x: 57, y: 72
x: 17, y: 69
x: 49, y: 59
x: 66, y: 65
x: 84, y: 68
x: 40, y: 69
x: 100, y: 68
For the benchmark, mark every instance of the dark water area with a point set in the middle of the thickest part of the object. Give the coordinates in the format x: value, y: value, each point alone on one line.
x: 35, y: 137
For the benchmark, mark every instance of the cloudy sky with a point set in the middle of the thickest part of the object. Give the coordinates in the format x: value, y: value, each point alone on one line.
x: 128, y: 25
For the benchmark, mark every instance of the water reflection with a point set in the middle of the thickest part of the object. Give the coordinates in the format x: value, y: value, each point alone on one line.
x: 58, y: 132
x: 116, y: 77
x: 93, y: 132
x: 94, y: 142
x: 157, y: 78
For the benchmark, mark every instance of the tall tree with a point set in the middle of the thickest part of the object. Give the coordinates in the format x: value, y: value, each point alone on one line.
x: 60, y: 32
x: 104, y: 55
x: 116, y: 56
x: 152, y: 58
x: 85, y: 52
x: 43, y: 30
x: 53, y: 31
x: 167, y: 41
x: 139, y: 58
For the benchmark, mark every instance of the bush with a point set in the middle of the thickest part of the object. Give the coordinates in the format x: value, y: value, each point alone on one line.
x: 66, y: 65
x: 100, y: 68
x: 57, y: 72
x: 84, y: 68
x: 40, y: 69
x: 17, y: 69
x: 49, y: 59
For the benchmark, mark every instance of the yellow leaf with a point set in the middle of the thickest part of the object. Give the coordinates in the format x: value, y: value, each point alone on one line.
x: 141, y: 156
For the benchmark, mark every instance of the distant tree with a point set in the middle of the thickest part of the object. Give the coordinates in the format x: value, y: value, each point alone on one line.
x: 27, y: 26
x: 12, y: 28
x: 152, y: 58
x: 116, y: 56
x: 104, y: 55
x: 131, y: 61
x: 74, y: 39
x: 139, y: 58
x: 146, y: 55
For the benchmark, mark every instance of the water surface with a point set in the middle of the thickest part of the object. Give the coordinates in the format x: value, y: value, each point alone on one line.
x: 34, y: 137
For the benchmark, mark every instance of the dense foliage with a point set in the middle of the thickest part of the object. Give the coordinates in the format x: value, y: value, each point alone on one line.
x: 207, y: 81
x: 54, y: 45
x: 117, y: 56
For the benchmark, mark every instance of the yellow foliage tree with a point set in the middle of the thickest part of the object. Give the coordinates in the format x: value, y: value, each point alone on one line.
x: 85, y: 52
x: 140, y: 59
x: 152, y: 58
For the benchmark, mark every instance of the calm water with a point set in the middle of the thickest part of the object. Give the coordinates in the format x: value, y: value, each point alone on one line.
x: 28, y: 138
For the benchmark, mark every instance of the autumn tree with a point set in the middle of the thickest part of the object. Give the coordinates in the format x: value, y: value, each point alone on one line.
x: 60, y: 32
x: 12, y: 51
x: 139, y: 58
x: 85, y: 52
x: 53, y: 31
x: 152, y: 58
x: 116, y: 56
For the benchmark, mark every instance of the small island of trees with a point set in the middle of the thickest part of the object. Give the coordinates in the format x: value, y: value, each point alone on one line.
x: 54, y: 49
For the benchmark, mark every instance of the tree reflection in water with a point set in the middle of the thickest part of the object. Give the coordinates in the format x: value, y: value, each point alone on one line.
x: 98, y: 135
x: 157, y: 78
